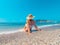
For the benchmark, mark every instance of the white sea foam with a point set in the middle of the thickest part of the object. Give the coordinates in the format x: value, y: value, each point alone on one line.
x: 21, y: 30
x: 48, y: 25
x: 8, y: 32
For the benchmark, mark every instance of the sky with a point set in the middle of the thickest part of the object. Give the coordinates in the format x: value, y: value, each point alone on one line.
x: 17, y: 10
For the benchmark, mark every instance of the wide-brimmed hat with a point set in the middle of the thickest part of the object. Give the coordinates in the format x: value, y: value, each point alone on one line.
x: 30, y: 16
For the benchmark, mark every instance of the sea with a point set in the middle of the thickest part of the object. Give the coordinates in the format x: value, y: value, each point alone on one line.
x: 13, y: 27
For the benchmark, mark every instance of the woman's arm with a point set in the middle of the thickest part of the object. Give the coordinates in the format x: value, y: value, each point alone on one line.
x: 36, y: 27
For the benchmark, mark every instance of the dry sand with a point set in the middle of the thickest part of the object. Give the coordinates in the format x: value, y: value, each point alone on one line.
x: 47, y: 36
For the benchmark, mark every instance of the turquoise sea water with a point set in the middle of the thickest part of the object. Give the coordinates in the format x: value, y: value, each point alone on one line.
x: 16, y: 26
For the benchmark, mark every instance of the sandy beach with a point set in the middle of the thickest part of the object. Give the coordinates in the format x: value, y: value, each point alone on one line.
x: 48, y: 36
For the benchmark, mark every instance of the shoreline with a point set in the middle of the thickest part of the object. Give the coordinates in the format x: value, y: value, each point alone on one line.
x: 21, y: 30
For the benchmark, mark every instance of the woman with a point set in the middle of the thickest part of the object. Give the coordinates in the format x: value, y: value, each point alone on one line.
x: 29, y: 23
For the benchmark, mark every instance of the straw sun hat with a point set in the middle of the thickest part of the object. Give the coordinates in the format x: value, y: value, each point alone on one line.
x: 30, y: 16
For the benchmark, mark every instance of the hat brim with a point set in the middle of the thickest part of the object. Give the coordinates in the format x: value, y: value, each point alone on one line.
x: 30, y: 17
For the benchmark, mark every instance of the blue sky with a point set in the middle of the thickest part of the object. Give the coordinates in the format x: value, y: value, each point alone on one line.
x: 17, y: 10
